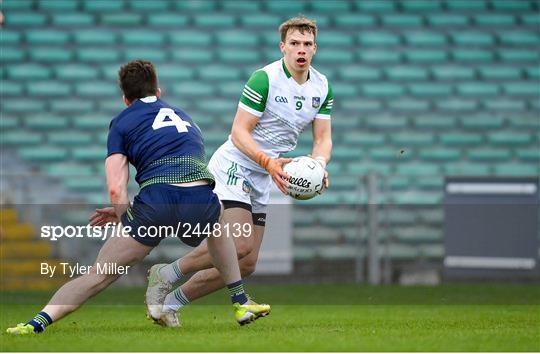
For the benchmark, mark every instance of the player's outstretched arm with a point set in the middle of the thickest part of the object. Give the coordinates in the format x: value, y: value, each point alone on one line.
x: 322, y: 143
x: 243, y: 125
x: 117, y: 171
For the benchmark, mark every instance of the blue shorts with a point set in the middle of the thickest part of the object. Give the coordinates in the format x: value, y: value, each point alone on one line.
x: 163, y: 210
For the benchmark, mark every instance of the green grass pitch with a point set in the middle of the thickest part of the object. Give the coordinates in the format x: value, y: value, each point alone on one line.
x: 463, y: 317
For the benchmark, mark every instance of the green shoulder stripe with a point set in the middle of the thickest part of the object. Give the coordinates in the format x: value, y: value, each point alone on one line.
x: 255, y: 91
x: 328, y: 103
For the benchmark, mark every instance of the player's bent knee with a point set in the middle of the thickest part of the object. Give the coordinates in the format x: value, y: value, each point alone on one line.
x: 244, y: 247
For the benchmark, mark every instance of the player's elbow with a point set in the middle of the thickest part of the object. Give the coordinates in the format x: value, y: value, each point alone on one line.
x: 115, y: 192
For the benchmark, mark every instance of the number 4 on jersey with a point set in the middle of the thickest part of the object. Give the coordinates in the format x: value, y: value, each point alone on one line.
x: 167, y: 118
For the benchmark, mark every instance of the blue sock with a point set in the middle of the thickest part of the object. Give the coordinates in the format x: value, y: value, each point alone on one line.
x: 40, y: 321
x: 236, y: 290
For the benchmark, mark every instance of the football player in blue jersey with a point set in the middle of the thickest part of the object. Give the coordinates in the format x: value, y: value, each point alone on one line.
x: 166, y: 148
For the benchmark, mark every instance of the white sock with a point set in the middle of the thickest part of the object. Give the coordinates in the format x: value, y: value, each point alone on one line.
x: 175, y: 300
x: 171, y: 272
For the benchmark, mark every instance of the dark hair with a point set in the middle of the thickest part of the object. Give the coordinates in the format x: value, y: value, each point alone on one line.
x: 138, y: 79
x: 300, y: 23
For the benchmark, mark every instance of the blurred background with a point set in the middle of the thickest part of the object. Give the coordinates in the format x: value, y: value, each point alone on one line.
x: 436, y: 129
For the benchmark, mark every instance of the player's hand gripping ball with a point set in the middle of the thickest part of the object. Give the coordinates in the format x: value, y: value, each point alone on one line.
x: 306, y: 177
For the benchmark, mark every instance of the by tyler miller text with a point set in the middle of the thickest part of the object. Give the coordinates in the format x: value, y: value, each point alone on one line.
x: 73, y: 270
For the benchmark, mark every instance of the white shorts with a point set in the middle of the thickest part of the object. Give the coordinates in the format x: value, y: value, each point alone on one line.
x: 237, y: 183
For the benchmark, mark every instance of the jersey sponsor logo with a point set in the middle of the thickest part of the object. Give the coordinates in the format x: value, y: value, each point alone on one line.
x: 281, y: 99
x: 316, y: 102
x: 246, y: 187
x: 300, y: 98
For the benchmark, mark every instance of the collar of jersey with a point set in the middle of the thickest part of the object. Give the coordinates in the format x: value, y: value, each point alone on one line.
x: 149, y: 99
x: 287, y: 73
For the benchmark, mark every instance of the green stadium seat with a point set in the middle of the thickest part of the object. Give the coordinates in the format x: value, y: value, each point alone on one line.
x: 260, y: 20
x: 407, y: 139
x: 421, y: 56
x: 447, y: 72
x: 219, y: 72
x: 45, y: 121
x: 25, y: 19
x: 190, y: 38
x: 192, y: 55
x: 68, y: 170
x: 304, y: 253
x: 22, y: 105
x: 418, y: 169
x: 363, y: 168
x: 418, y: 234
x: 472, y: 38
x: 195, y: 6
x: 21, y: 138
x: 42, y: 154
x: 100, y: 55
x: 432, y: 251
x: 149, y: 6
x: 401, y: 20
x: 401, y: 216
x: 382, y: 90
x: 48, y: 88
x: 192, y: 89
x: 505, y: 105
x: 482, y: 122
x: 466, y: 6
x: 400, y: 252
x: 8, y: 123
x: 511, y: 5
x: 95, y: 89
x: 460, y: 139
x: 236, y: 38
x: 528, y: 154
x: 286, y: 7
x: 388, y: 154
x: 532, y: 20
x: 358, y: 73
x: 380, y: 6
x: 524, y: 122
x: 442, y: 155
x: 356, y: 20
x: 430, y: 89
x: 397, y: 183
x: 518, y: 55
x: 240, y: 6
x: 90, y: 154
x: 434, y: 122
x: 519, y: 38
x: 238, y: 57
x: 10, y: 37
x: 467, y: 169
x: 28, y: 72
x: 322, y: 20
x: 364, y: 105
x: 111, y: 106
x: 334, y: 57
x: 93, y: 36
x: 50, y: 55
x: 73, y: 19
x: 122, y: 19
x: 17, y: 5
x: 378, y: 38
x: 11, y: 88
x: 341, y: 217
x: 472, y: 55
x: 143, y: 38
x: 522, y: 89
x: 172, y: 20
x: 457, y: 105
x: 72, y: 106
x: 215, y: 20
x: 172, y: 73
x: 337, y: 6
x: 363, y: 139
x: 417, y: 198
x: 509, y: 138
x: 403, y: 73
x: 491, y: 154
x: 376, y: 56
x: 499, y: 72
x: 92, y: 121
x: 75, y: 72
x: 447, y: 20
x: 333, y: 38
x: 152, y: 54
x: 409, y: 105
x: 421, y: 5
x: 346, y: 154
x: 345, y: 90
x: 12, y: 54
x: 69, y: 138
x: 494, y: 20
x: 317, y: 234
x: 231, y: 89
x: 517, y: 169
x: 223, y: 107
x: 425, y: 38
x: 84, y: 184
x: 477, y: 89
x: 103, y: 6
x: 335, y: 168
x: 533, y: 72
x: 391, y: 123
x: 40, y: 37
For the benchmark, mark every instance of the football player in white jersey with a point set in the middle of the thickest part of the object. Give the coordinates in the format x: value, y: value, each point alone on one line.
x: 278, y: 102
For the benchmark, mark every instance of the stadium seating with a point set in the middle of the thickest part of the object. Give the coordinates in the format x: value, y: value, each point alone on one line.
x: 453, y: 83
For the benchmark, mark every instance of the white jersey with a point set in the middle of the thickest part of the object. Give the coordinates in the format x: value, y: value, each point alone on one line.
x: 284, y: 107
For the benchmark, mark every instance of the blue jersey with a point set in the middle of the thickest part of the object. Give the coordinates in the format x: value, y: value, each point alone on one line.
x: 161, y: 141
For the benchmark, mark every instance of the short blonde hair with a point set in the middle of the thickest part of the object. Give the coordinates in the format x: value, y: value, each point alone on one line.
x: 300, y: 23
